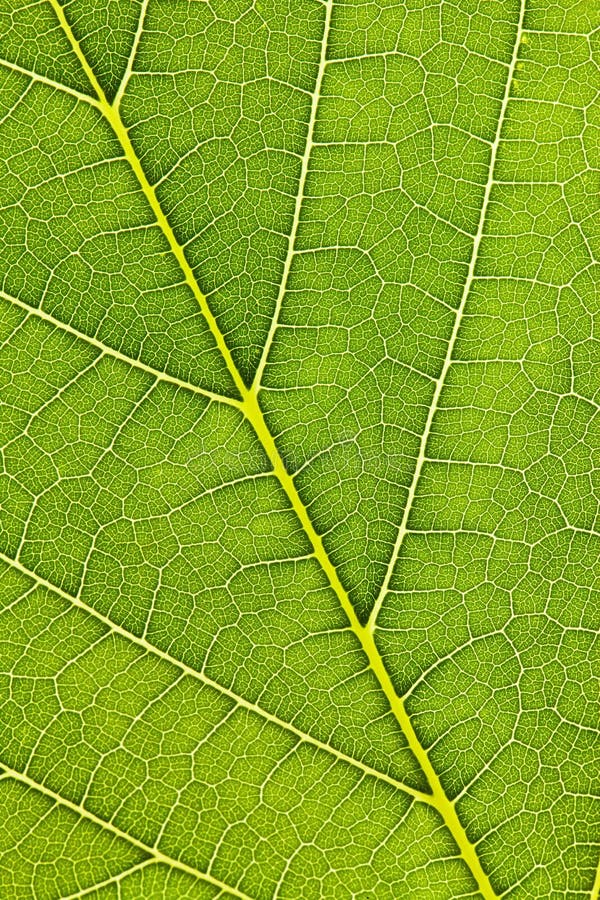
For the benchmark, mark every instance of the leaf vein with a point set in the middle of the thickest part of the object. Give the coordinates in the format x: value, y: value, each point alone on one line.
x: 209, y: 682
x: 42, y: 79
x: 105, y: 350
x: 299, y: 196
x: 114, y: 829
x: 402, y: 531
x: 253, y: 412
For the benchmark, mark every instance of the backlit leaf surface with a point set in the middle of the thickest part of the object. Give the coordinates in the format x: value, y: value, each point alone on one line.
x: 300, y: 386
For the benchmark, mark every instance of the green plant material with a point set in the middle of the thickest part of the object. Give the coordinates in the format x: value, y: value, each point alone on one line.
x: 300, y: 390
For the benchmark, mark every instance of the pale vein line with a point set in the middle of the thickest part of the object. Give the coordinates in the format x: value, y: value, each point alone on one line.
x: 131, y: 60
x: 116, y: 354
x: 114, y: 880
x: 63, y: 88
x: 299, y: 197
x: 402, y: 530
x: 205, y: 679
x: 444, y: 806
x: 123, y: 835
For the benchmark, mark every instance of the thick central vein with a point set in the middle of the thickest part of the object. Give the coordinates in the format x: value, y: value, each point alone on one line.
x: 254, y: 414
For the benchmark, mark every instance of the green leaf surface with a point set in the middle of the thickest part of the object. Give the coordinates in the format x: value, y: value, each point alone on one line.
x: 300, y: 430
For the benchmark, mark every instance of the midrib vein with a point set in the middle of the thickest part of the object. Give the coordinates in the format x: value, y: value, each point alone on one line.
x: 253, y: 412
x: 111, y: 113
x: 403, y: 528
x: 114, y: 829
x: 596, y: 886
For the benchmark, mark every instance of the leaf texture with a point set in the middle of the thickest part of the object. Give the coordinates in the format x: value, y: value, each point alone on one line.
x: 299, y: 532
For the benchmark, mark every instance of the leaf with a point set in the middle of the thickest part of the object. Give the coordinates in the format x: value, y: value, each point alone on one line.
x: 299, y: 532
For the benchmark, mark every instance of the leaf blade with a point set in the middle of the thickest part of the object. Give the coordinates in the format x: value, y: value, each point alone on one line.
x: 423, y: 720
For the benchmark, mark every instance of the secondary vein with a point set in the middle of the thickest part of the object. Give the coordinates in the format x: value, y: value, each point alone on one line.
x: 116, y: 879
x: 403, y: 528
x: 110, y: 826
x: 240, y: 701
x: 105, y: 350
x: 299, y: 196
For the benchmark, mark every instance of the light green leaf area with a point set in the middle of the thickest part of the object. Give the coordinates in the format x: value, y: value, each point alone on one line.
x: 300, y: 467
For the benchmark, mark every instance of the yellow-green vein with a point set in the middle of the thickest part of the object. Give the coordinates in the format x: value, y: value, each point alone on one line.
x: 254, y: 414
